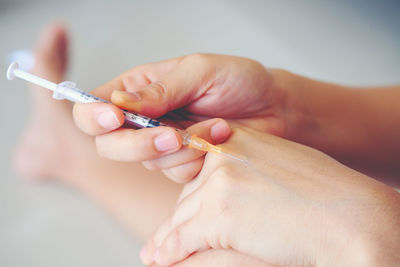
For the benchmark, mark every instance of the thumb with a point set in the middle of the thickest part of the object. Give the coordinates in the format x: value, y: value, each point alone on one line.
x: 174, y: 90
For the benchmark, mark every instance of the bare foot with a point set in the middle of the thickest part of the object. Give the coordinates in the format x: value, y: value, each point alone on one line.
x: 43, y: 145
x: 51, y: 146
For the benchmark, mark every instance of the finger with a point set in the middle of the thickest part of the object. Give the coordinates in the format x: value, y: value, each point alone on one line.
x: 180, y: 157
x: 182, y: 166
x: 97, y: 118
x: 183, y: 212
x: 138, y: 145
x: 184, y: 240
x: 210, y: 227
x: 185, y: 172
x: 136, y: 78
x: 187, y: 81
x: 104, y: 91
x: 213, y: 131
x: 191, y: 186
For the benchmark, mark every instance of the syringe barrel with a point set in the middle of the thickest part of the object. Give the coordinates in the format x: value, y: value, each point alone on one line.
x: 140, y: 121
x: 67, y: 90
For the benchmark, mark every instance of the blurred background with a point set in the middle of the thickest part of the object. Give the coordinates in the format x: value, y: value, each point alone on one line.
x: 349, y: 42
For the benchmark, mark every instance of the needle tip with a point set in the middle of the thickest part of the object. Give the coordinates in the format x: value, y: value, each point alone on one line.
x: 235, y: 157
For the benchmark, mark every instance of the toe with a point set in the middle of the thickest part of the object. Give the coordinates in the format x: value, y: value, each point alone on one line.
x: 51, y: 53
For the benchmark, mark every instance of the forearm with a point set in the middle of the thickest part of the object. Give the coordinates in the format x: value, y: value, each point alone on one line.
x: 358, y: 126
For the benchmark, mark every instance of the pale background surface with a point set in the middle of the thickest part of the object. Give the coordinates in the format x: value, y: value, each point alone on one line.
x: 48, y: 225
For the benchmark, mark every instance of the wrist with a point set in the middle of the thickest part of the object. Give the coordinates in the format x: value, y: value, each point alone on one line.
x: 316, y: 113
x: 295, y: 111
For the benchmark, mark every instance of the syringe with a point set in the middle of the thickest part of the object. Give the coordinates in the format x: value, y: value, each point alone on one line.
x: 67, y: 90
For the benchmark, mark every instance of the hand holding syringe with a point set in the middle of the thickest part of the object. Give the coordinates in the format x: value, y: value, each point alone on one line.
x: 67, y: 90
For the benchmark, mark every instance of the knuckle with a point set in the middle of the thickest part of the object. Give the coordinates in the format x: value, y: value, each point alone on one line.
x: 222, y: 178
x: 173, y: 241
x: 217, y: 240
x: 240, y: 132
x: 198, y: 58
x: 223, y: 186
x: 160, y: 234
x: 159, y: 88
x: 216, y: 160
x: 239, y: 135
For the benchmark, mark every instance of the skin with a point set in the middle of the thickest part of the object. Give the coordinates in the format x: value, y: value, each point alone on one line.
x: 159, y: 89
x: 357, y: 126
x: 51, y: 147
x: 198, y: 87
x: 123, y: 189
x: 251, y: 209
x: 245, y: 93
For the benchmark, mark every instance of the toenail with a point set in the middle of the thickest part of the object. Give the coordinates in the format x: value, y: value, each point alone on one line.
x: 108, y: 120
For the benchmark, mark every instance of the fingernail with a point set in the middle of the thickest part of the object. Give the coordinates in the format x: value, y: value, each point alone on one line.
x: 166, y: 141
x: 108, y: 120
x: 128, y: 100
x: 218, y: 131
x: 125, y: 96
